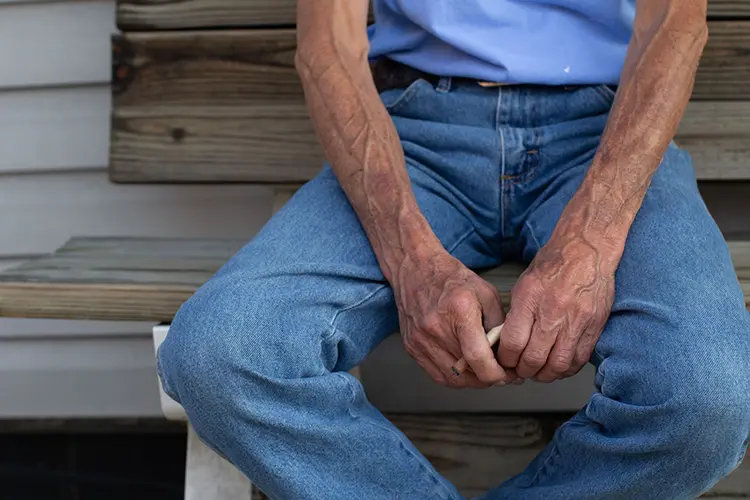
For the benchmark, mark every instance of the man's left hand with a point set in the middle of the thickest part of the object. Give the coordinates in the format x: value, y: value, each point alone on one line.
x: 559, y: 306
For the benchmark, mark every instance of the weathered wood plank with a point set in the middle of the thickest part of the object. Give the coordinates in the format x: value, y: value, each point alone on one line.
x: 135, y: 15
x: 228, y: 107
x: 478, y: 452
x: 148, y: 279
x: 217, y: 107
x: 724, y: 71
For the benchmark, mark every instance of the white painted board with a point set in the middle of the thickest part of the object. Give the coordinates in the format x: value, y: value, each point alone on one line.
x: 54, y: 128
x: 44, y: 44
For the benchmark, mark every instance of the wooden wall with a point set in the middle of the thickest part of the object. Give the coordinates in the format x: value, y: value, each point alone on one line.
x: 223, y: 103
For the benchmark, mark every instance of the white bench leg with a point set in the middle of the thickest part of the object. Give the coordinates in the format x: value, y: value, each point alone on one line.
x: 209, y: 477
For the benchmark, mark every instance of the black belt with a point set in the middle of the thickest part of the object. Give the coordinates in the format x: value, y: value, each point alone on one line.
x: 389, y: 74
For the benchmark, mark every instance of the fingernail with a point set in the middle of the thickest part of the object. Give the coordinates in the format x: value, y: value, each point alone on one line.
x: 500, y: 383
x: 518, y: 381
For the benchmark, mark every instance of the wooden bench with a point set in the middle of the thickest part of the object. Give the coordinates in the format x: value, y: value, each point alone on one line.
x: 204, y: 91
x: 149, y: 278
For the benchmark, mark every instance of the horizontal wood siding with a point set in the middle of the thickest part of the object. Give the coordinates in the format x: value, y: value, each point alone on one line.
x: 54, y: 129
x: 227, y: 106
x: 187, y: 14
x: 39, y: 212
x: 52, y: 44
x: 724, y: 71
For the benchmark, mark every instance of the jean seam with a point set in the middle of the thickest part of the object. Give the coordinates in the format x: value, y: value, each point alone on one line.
x: 370, y: 295
x: 353, y: 389
x: 405, y: 97
x: 533, y: 235
x: 360, y: 302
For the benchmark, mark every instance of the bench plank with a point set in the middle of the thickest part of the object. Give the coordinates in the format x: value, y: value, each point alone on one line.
x: 148, y: 279
x: 228, y: 107
x: 135, y: 15
x: 478, y: 452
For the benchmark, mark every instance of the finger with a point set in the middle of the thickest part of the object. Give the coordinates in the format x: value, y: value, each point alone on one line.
x: 493, y: 336
x: 475, y: 348
x: 433, y: 371
x: 584, y: 349
x: 534, y: 357
x: 516, y: 334
x: 423, y: 360
x: 492, y: 308
x: 445, y: 361
x: 560, y: 358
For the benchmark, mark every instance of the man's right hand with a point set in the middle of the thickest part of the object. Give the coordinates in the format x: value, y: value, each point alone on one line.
x: 445, y: 310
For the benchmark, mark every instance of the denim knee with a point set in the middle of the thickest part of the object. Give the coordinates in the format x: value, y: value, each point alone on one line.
x: 710, y: 414
x: 229, y: 338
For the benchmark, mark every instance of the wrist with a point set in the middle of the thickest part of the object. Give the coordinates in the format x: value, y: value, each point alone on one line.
x: 416, y: 246
x: 601, y: 224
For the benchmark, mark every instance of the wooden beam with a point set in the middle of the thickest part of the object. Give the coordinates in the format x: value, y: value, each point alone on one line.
x: 149, y: 278
x: 228, y: 107
x: 724, y: 71
x: 139, y: 15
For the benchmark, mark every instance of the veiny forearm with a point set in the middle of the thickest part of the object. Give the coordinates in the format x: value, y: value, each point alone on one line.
x: 655, y: 87
x: 356, y: 132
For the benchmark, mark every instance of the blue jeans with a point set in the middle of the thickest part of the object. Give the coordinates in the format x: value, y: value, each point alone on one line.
x: 259, y: 355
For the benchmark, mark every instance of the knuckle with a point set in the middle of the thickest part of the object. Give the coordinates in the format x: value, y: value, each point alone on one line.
x: 491, y: 290
x: 582, y: 358
x: 512, y: 343
x: 534, y: 359
x: 431, y: 323
x: 559, y: 365
x: 462, y: 300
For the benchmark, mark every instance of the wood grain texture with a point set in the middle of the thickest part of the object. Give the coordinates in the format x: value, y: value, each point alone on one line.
x: 478, y: 452
x: 221, y: 107
x: 228, y: 107
x: 135, y: 15
x: 724, y: 71
x: 149, y: 278
x: 138, y: 15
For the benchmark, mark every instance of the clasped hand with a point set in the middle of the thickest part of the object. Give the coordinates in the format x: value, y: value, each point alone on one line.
x: 558, y: 309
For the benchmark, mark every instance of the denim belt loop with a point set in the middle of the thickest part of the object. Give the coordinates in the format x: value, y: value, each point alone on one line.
x: 444, y: 84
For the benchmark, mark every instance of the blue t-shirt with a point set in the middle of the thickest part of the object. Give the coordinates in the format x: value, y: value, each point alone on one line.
x: 552, y: 42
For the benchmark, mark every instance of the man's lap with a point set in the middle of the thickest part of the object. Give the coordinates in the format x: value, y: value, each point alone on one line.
x: 306, y: 297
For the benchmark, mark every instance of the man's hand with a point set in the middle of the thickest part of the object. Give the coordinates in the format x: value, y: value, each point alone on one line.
x: 559, y: 307
x: 445, y: 310
x: 561, y: 303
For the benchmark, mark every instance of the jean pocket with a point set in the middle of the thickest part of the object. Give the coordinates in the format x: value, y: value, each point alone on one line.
x: 396, y: 100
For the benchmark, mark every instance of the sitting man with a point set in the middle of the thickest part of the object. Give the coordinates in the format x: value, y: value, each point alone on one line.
x: 462, y: 134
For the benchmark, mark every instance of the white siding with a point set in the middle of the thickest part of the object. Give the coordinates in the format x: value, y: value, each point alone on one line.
x: 39, y: 212
x: 54, y: 129
x: 52, y: 44
x: 54, y: 134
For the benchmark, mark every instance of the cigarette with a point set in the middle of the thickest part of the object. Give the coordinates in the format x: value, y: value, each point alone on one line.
x: 492, y: 337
